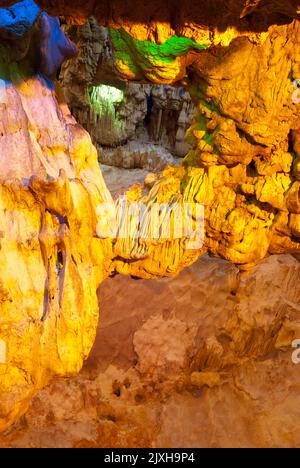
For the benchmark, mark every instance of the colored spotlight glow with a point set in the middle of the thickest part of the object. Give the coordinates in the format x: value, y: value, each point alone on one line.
x: 103, y: 99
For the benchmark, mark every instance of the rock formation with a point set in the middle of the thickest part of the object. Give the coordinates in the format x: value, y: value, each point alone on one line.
x: 202, y: 360
x: 132, y: 125
x: 239, y: 61
x: 50, y: 255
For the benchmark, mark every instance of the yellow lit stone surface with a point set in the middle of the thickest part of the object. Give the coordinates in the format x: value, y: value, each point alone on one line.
x: 243, y: 167
x: 51, y: 261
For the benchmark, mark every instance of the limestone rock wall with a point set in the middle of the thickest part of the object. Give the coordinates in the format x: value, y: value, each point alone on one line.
x: 202, y: 360
x: 239, y: 61
x: 158, y: 21
x: 154, y: 116
x: 243, y: 162
x: 50, y: 256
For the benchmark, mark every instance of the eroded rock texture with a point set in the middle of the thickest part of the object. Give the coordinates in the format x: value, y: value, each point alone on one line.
x: 239, y: 60
x: 202, y: 360
x: 50, y: 255
x: 161, y: 20
x: 243, y: 165
x: 132, y: 125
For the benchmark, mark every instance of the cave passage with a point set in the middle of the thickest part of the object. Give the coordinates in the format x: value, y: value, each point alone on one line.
x: 190, y: 108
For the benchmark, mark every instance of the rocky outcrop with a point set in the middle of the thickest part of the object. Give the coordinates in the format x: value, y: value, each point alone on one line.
x: 171, y: 115
x: 243, y: 165
x: 153, y: 118
x: 52, y: 260
x: 239, y: 61
x: 209, y: 349
x: 158, y: 21
x: 49, y: 177
x: 135, y: 155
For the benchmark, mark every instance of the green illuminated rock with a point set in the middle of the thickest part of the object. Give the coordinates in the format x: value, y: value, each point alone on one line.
x: 103, y: 100
x: 145, y: 59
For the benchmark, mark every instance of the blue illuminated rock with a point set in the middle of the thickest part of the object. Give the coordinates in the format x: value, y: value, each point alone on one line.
x: 50, y: 45
x: 18, y: 19
x: 55, y: 46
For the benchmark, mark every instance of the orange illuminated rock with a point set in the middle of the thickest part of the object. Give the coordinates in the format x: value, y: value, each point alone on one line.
x: 51, y: 260
x: 240, y: 68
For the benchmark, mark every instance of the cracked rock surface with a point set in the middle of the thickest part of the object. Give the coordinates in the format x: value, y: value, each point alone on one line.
x: 203, y: 360
x: 239, y: 60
